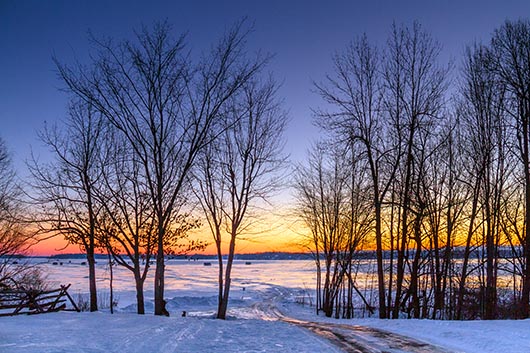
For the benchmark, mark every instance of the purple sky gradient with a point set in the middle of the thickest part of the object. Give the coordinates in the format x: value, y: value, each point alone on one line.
x: 303, y: 35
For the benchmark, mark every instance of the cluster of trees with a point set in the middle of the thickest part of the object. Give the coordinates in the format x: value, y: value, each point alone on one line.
x: 430, y: 171
x: 153, y: 131
x: 331, y: 204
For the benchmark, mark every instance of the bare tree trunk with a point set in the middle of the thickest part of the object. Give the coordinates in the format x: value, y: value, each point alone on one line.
x: 491, y: 282
x: 525, y: 155
x: 220, y: 275
x: 91, y: 261
x: 404, y: 224
x: 450, y: 217
x: 111, y: 282
x: 159, y: 275
x: 228, y: 277
x: 380, y: 259
x: 87, y: 182
x: 391, y: 251
x: 467, y: 251
x: 414, y: 274
x: 139, y: 282
x: 318, y: 289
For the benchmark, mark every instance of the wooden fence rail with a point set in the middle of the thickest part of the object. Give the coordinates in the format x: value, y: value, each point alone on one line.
x: 17, y: 302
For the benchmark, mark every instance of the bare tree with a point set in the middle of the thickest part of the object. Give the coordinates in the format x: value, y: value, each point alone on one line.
x: 321, y: 195
x: 415, y: 86
x: 14, y: 237
x: 127, y: 224
x: 451, y: 204
x: 332, y: 201
x: 65, y: 188
x: 356, y: 92
x: 165, y: 106
x: 511, y: 50
x: 484, y: 120
x: 389, y: 107
x: 446, y: 202
x: 239, y: 169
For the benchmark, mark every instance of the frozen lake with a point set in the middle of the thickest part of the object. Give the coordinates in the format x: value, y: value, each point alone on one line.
x: 183, y: 277
x: 193, y: 278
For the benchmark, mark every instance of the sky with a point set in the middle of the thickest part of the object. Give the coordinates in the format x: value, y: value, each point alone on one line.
x: 302, y: 36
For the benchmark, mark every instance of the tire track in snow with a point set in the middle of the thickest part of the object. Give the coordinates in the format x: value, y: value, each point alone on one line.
x: 350, y: 338
x: 170, y: 337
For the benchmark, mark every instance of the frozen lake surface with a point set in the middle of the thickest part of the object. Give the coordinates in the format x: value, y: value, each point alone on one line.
x: 185, y: 278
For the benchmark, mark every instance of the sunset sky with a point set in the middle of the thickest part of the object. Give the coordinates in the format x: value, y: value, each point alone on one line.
x: 303, y: 35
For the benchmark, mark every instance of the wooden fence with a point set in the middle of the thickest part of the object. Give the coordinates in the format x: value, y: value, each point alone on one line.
x: 17, y: 302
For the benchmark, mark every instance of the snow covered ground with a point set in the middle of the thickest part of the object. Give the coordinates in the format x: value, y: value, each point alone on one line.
x: 191, y: 287
x: 463, y: 336
x: 457, y: 336
x: 102, y: 332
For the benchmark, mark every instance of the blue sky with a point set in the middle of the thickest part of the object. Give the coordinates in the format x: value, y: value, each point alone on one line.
x: 303, y: 35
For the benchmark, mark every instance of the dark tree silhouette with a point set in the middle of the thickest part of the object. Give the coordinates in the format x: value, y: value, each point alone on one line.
x: 165, y: 106
x: 65, y: 188
x: 240, y: 168
x: 14, y: 237
x: 511, y: 62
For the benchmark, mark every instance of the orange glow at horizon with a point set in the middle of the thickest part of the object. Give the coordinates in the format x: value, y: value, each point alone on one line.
x: 55, y: 246
x: 272, y: 235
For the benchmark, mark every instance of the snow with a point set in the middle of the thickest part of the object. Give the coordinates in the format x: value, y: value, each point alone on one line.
x: 191, y: 287
x: 457, y: 336
x: 463, y: 336
x: 102, y: 332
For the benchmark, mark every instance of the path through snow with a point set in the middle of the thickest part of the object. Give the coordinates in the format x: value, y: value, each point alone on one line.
x: 349, y: 338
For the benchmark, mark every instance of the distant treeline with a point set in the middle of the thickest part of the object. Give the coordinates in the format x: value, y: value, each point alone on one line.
x: 458, y: 253
x: 256, y: 256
